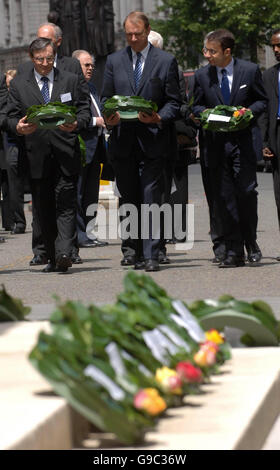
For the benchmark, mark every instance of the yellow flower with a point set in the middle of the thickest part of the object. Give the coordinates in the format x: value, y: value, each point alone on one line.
x: 236, y: 114
x: 169, y: 380
x: 149, y: 400
x: 215, y: 336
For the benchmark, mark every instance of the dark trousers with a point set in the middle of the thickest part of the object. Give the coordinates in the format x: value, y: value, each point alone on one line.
x: 55, y: 202
x: 16, y: 175
x: 88, y: 192
x: 276, y: 174
x: 140, y: 182
x: 7, y: 221
x: 233, y: 186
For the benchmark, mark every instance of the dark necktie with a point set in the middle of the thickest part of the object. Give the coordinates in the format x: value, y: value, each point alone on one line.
x: 225, y: 87
x: 138, y: 70
x: 278, y: 94
x: 45, y: 90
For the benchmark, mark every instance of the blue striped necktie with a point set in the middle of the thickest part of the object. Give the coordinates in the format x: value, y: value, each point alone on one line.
x: 225, y: 87
x: 138, y: 70
x: 45, y: 90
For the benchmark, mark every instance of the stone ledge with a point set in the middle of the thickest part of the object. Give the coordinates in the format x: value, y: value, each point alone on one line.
x: 236, y: 411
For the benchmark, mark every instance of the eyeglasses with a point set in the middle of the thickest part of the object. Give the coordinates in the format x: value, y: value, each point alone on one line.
x: 41, y: 60
x: 89, y: 65
x: 275, y: 45
x: 210, y: 51
x: 137, y: 35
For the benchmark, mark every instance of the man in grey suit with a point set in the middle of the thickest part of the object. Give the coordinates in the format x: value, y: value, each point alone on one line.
x: 230, y: 157
x: 138, y: 149
x: 53, y: 155
x: 63, y: 63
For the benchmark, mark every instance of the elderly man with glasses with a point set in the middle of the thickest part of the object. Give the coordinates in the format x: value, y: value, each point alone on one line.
x: 53, y: 155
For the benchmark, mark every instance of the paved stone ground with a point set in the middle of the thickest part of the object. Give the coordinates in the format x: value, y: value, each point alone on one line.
x: 189, y: 276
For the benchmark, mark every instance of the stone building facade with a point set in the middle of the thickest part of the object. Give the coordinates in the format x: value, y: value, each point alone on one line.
x: 19, y: 20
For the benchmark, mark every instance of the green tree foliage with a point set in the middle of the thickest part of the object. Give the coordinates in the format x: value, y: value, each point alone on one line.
x: 184, y: 23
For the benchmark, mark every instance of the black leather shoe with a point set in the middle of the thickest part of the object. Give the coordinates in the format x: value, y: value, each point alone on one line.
x: 76, y: 259
x: 128, y: 261
x: 151, y: 265
x: 17, y: 230
x: 139, y: 264
x: 278, y: 258
x: 254, y: 253
x: 38, y: 260
x: 63, y: 262
x: 163, y: 258
x: 218, y: 259
x: 93, y: 244
x: 232, y: 262
x: 50, y: 268
x: 98, y: 243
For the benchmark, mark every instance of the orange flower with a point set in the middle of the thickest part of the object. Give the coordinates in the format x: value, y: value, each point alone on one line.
x: 236, y: 114
x: 205, y: 357
x: 149, y: 400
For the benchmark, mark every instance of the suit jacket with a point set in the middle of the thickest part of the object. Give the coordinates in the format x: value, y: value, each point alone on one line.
x: 159, y: 83
x: 90, y: 134
x: 247, y: 90
x: 44, y: 144
x: 268, y: 121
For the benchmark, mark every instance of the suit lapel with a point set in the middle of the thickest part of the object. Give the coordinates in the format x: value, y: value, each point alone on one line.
x: 128, y: 66
x: 34, y: 88
x: 238, y: 73
x: 150, y: 62
x: 58, y: 86
x: 275, y: 80
x: 214, y: 83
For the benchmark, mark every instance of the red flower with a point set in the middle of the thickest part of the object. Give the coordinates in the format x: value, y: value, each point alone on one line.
x: 189, y: 373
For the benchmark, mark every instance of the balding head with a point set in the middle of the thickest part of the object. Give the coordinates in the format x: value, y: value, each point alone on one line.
x: 50, y: 31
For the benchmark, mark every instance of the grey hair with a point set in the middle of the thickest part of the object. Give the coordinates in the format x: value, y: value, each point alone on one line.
x: 76, y: 54
x: 39, y: 44
x: 155, y: 39
x: 57, y: 29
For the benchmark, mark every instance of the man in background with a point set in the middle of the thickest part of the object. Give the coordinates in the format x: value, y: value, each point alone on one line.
x: 270, y: 120
x: 88, y: 182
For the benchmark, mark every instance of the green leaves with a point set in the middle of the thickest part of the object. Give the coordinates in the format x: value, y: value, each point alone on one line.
x: 238, y: 118
x: 11, y: 309
x: 256, y: 319
x: 128, y: 106
x: 51, y: 115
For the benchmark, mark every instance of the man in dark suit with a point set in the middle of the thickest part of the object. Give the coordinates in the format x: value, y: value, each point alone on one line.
x: 138, y: 149
x: 63, y: 63
x: 88, y: 182
x: 270, y: 119
x: 53, y: 155
x: 231, y: 157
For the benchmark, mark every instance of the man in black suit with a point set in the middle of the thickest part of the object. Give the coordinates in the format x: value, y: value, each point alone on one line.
x: 138, y: 149
x: 230, y: 157
x: 63, y: 63
x: 270, y: 120
x: 53, y: 155
x: 88, y: 182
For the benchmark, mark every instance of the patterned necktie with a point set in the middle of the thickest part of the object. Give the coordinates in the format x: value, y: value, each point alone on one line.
x: 45, y: 90
x: 225, y: 87
x: 138, y: 70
